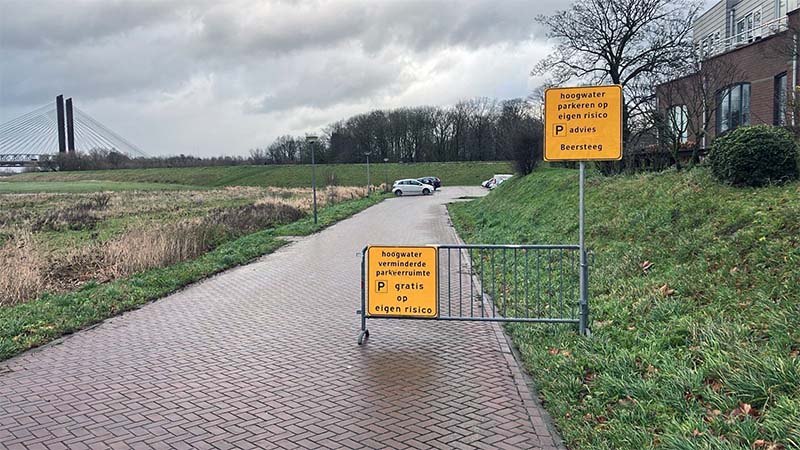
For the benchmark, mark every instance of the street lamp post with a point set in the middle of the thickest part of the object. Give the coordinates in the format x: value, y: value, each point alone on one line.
x: 312, y: 142
x: 368, y: 180
x: 386, y: 167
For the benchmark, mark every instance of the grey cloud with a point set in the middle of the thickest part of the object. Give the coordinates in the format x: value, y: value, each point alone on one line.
x: 228, y: 31
x: 433, y: 25
x: 139, y: 61
x: 338, y: 80
x: 274, y: 57
x: 63, y: 23
x: 418, y: 25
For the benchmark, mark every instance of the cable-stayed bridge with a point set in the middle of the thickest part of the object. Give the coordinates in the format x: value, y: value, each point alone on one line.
x: 52, y: 129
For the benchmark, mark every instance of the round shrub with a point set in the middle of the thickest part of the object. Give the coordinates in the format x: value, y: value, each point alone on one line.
x: 754, y: 156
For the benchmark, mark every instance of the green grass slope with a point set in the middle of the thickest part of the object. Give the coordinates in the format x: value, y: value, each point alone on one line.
x: 451, y: 173
x: 19, y: 187
x: 713, y: 364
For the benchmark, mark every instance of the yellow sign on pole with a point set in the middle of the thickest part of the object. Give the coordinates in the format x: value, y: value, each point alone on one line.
x: 402, y: 281
x: 583, y: 123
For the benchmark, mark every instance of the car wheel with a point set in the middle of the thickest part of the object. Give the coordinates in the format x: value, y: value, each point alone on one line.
x: 398, y: 193
x: 426, y: 191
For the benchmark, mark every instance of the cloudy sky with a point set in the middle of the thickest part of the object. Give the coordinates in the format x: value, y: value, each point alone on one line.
x: 221, y: 77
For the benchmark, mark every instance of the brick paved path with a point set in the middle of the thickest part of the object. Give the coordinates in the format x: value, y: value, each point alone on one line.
x: 264, y: 356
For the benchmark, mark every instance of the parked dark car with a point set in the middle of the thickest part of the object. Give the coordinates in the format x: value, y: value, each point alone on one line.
x: 433, y: 181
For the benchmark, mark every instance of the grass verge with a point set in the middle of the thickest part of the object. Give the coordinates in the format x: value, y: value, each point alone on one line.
x: 38, y: 322
x: 694, y: 308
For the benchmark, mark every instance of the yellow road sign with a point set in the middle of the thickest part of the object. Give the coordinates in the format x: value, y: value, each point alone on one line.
x: 402, y: 281
x: 583, y: 123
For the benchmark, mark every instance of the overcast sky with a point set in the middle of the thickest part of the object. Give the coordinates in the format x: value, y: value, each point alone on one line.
x: 222, y: 77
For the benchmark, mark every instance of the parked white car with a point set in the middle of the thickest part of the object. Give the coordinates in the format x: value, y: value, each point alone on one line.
x: 411, y: 186
x: 498, y: 179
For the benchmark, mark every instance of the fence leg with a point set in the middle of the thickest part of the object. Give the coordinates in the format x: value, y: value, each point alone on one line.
x: 584, y: 302
x: 362, y: 337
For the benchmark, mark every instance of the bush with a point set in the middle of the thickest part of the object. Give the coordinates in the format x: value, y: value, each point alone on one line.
x: 525, y: 144
x: 250, y: 218
x: 62, y: 219
x: 754, y: 156
x: 79, y: 216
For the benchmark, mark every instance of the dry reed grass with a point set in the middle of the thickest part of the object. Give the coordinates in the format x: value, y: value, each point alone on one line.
x: 302, y: 198
x: 21, y: 269
x: 143, y: 249
x: 172, y: 227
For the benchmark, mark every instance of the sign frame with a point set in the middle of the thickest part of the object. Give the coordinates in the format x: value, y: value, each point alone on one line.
x: 435, y: 274
x: 549, y: 122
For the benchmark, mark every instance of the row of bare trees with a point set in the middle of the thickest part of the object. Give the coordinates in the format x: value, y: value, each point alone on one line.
x: 480, y: 129
x: 102, y: 159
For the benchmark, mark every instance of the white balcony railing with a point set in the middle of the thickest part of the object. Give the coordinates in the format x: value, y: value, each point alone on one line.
x: 746, y: 37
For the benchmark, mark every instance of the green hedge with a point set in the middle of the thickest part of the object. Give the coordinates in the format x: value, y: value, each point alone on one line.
x: 755, y: 156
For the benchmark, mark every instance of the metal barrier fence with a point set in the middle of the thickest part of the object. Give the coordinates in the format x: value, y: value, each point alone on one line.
x: 503, y: 283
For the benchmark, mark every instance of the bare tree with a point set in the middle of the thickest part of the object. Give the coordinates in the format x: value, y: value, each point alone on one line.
x: 536, y: 101
x: 259, y: 155
x: 462, y: 112
x: 442, y: 133
x: 285, y: 149
x: 621, y: 42
x: 687, y: 105
x: 787, y: 48
x: 481, y: 127
x: 519, y: 134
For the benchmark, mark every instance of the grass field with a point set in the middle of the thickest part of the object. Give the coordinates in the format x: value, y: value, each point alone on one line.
x: 74, y: 257
x: 452, y: 174
x: 694, y: 308
x: 58, y: 241
x: 86, y: 186
x: 32, y: 323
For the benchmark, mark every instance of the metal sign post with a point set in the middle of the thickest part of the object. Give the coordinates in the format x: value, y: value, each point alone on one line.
x: 583, y: 124
x: 312, y: 141
x: 584, y: 273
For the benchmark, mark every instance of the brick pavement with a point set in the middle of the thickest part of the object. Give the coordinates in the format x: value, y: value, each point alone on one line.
x: 264, y: 356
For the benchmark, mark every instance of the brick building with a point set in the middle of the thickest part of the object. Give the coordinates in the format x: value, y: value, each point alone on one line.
x: 747, y: 66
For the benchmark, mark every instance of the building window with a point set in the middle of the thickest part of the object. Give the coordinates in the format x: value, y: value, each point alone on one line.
x: 740, y: 31
x: 733, y: 107
x: 711, y: 43
x: 780, y: 100
x: 678, y: 118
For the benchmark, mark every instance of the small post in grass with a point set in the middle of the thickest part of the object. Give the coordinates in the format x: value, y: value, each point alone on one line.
x: 386, y: 167
x: 368, y: 181
x: 311, y: 140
